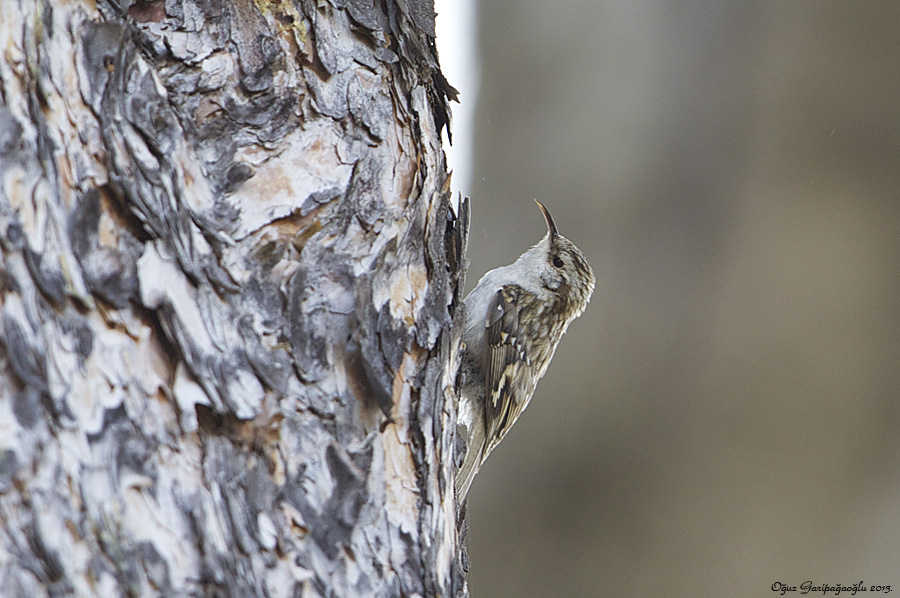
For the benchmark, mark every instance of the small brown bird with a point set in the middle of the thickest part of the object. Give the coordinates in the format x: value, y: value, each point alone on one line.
x: 516, y: 315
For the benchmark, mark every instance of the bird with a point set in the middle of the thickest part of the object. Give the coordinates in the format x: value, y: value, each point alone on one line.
x: 515, y: 318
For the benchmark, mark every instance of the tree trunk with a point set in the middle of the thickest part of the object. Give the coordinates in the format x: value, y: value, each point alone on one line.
x: 228, y: 300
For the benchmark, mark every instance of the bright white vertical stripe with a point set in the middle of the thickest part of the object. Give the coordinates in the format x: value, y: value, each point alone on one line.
x: 459, y: 62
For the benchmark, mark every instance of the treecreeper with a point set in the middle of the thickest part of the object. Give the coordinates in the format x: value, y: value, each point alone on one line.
x: 515, y: 317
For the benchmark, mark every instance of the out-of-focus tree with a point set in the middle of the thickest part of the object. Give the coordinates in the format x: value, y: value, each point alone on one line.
x: 725, y: 414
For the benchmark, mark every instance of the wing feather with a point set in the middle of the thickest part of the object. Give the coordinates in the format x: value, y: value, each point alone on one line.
x: 506, y: 359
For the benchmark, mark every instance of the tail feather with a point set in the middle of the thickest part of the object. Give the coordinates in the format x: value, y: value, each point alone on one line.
x: 467, y: 471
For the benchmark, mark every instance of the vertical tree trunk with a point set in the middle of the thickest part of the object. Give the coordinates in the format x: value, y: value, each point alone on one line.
x: 228, y: 286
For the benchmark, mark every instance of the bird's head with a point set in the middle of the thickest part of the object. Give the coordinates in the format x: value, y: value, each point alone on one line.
x: 561, y: 267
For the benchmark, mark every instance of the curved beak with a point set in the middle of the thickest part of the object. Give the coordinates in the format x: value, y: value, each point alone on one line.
x: 551, y: 226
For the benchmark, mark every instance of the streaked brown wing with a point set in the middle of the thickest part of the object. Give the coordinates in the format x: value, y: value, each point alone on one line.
x: 504, y: 358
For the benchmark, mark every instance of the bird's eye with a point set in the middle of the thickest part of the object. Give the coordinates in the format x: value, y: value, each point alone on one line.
x: 557, y: 261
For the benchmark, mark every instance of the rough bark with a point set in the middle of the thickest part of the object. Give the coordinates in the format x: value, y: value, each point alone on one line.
x: 230, y: 275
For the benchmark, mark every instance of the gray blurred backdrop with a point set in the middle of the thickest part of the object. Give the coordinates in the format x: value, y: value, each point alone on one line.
x: 726, y: 414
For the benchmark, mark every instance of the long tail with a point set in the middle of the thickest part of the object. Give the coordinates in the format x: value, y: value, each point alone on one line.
x: 471, y: 465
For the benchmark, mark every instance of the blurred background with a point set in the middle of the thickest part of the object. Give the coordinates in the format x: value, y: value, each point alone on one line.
x: 726, y: 414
